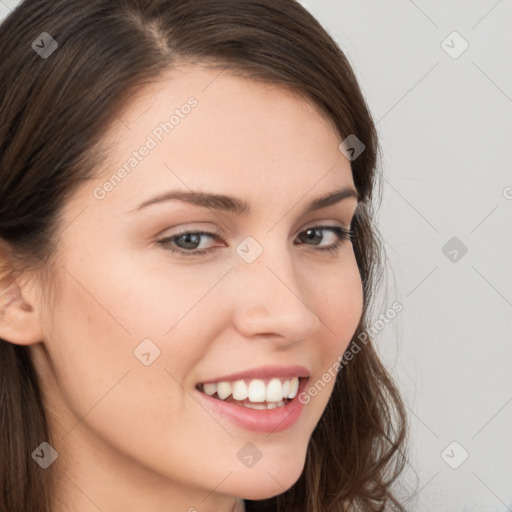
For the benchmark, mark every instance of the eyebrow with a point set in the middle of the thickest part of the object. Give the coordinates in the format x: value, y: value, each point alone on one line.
x: 239, y: 206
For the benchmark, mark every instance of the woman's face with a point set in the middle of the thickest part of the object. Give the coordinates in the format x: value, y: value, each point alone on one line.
x: 135, y: 326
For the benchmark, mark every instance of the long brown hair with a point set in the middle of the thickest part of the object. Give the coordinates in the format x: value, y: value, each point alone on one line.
x: 53, y: 113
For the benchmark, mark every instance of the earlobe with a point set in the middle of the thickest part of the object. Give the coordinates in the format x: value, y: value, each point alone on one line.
x: 19, y: 317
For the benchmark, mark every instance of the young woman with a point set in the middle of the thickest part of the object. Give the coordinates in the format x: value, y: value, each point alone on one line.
x: 188, y: 255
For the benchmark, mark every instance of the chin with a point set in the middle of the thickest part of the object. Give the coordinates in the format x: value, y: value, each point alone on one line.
x: 268, y: 481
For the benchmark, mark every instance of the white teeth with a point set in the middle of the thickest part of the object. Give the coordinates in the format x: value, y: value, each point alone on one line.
x: 286, y: 387
x: 274, y: 391
x: 260, y: 407
x: 223, y: 389
x: 240, y: 391
x: 255, y: 390
x: 210, y: 389
x: 294, y: 387
x: 270, y: 405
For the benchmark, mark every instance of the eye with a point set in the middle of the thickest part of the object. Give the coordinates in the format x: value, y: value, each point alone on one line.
x: 316, y: 232
x: 189, y: 241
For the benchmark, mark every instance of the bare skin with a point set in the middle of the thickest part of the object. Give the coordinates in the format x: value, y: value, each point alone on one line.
x: 134, y: 437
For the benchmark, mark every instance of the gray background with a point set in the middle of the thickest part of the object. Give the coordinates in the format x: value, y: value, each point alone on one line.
x: 445, y: 127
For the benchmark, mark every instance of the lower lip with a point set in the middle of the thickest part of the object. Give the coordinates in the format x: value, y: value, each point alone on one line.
x: 266, y: 420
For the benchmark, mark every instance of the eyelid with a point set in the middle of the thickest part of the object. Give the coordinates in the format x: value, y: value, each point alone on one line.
x: 212, y: 229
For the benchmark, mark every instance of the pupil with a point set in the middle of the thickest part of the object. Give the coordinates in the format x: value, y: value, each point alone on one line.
x: 313, y: 233
x: 187, y: 237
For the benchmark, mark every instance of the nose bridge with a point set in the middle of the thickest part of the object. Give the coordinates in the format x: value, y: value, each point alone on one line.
x: 272, y: 300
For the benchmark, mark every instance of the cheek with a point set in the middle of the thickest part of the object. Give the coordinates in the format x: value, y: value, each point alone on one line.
x: 338, y: 295
x: 100, y: 327
x: 89, y: 347
x: 102, y: 386
x: 340, y: 306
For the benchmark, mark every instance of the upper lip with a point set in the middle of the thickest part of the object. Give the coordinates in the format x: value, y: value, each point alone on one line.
x: 263, y: 372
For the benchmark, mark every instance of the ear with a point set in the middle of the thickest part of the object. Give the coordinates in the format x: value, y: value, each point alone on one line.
x: 19, y: 314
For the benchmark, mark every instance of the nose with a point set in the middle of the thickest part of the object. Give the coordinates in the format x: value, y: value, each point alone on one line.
x: 269, y: 300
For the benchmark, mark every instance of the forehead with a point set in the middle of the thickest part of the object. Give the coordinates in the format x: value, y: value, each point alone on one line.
x: 208, y: 128
x: 208, y: 80
x: 221, y: 95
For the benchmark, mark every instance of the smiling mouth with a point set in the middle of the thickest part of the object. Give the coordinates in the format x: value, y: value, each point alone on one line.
x: 261, y: 394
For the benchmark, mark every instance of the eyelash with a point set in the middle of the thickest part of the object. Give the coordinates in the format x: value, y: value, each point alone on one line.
x: 343, y: 234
